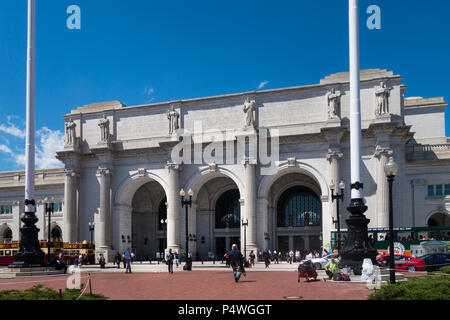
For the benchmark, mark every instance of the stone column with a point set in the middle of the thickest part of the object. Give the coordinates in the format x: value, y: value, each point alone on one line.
x: 306, y: 241
x: 102, y: 226
x: 382, y: 154
x: 70, y: 207
x: 173, y: 208
x: 291, y: 242
x: 250, y: 204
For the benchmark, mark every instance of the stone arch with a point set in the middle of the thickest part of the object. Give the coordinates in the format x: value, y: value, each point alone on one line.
x: 5, y: 232
x: 128, y: 187
x: 439, y: 218
x: 55, y: 229
x: 284, y: 169
x: 199, y: 179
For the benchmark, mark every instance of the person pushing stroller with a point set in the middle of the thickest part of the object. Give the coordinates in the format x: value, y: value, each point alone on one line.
x: 237, y: 262
x: 306, y: 270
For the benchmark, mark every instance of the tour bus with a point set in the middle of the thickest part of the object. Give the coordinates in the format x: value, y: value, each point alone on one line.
x: 71, y: 251
x: 404, y: 238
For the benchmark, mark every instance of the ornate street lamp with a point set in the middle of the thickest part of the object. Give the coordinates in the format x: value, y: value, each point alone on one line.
x: 338, y: 196
x: 391, y: 169
x: 91, y: 229
x: 164, y: 227
x: 245, y: 224
x: 186, y: 203
x: 49, y: 209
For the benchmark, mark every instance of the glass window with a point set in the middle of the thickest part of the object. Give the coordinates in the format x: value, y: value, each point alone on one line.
x: 228, y: 210
x: 431, y: 190
x: 439, y: 191
x: 1, y: 252
x: 5, y: 209
x: 299, y: 207
x: 57, y: 207
x: 447, y: 189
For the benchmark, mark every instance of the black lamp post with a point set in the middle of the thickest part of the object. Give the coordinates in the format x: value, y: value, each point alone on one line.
x: 91, y: 230
x: 391, y: 170
x: 338, y: 196
x: 245, y: 224
x: 186, y: 203
x: 164, y: 227
x: 49, y: 209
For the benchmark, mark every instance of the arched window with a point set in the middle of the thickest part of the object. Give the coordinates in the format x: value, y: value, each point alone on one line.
x: 299, y: 207
x: 56, y: 234
x: 7, y: 235
x: 228, y: 210
x: 162, y: 213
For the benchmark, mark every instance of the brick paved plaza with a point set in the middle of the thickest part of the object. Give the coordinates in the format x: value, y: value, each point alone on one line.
x: 205, y: 282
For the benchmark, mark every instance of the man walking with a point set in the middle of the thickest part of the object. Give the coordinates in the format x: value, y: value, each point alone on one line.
x: 237, y: 262
x: 127, y: 258
x: 169, y: 260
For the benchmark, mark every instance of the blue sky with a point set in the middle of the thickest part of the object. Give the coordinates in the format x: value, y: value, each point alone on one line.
x: 142, y: 51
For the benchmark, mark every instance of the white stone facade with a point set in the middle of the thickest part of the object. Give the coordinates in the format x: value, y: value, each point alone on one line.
x: 125, y: 178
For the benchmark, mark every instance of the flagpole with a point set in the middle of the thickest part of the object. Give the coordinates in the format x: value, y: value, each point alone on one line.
x: 29, y: 253
x: 357, y: 246
x: 30, y: 139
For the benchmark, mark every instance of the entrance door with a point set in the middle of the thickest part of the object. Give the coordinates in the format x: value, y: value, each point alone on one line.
x: 283, y: 244
x: 220, y: 247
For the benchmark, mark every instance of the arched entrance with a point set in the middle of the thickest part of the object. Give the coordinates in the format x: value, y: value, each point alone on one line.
x: 5, y: 233
x: 56, y: 234
x: 439, y: 219
x: 148, y: 208
x: 217, y: 214
x: 294, y: 212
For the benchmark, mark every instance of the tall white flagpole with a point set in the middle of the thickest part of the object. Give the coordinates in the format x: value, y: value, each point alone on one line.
x: 29, y: 147
x: 357, y: 246
x: 355, y: 103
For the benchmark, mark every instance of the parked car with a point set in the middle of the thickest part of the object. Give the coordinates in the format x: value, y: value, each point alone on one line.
x: 403, y: 263
x: 319, y: 263
x: 434, y: 261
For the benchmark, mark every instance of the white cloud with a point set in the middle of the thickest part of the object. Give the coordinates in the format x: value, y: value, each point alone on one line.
x: 148, y: 92
x: 5, y: 148
x: 262, y: 84
x: 12, y: 129
x: 48, y: 142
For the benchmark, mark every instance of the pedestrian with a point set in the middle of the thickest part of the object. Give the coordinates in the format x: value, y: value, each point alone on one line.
x: 237, y: 262
x: 331, y: 268
x: 127, y: 258
x: 189, y: 261
x: 123, y: 261
x: 227, y: 259
x: 252, y: 259
x: 266, y: 257
x: 80, y: 260
x: 177, y: 259
x: 275, y: 255
x: 297, y: 255
x: 280, y: 256
x: 291, y: 256
x: 169, y: 260
x: 117, y: 259
x: 101, y: 261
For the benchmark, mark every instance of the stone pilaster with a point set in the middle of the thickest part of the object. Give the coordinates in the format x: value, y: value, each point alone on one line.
x: 173, y: 207
x: 250, y: 203
x: 382, y: 154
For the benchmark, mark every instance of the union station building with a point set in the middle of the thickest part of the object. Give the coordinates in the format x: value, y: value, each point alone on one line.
x: 119, y: 170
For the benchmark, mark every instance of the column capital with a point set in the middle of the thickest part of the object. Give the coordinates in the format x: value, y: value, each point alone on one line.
x: 70, y: 172
x: 334, y: 154
x: 383, y: 151
x: 173, y: 166
x: 104, y: 171
x: 249, y: 161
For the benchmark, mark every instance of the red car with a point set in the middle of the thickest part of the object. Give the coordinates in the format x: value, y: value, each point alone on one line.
x: 403, y: 263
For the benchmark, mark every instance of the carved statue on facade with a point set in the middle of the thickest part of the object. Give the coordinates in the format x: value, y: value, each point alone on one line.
x: 333, y: 102
x: 70, y: 132
x: 382, y: 96
x: 104, y: 129
x: 173, y: 117
x: 249, y: 110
